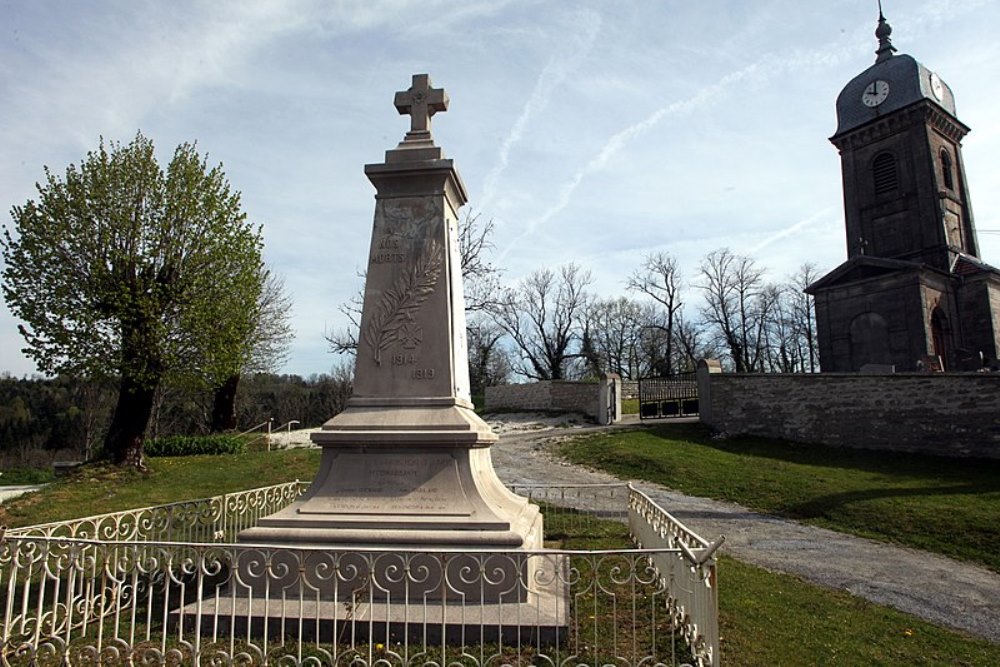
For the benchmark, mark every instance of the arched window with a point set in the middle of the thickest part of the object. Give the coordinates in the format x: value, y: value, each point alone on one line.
x: 939, y: 334
x: 949, y: 181
x: 885, y: 173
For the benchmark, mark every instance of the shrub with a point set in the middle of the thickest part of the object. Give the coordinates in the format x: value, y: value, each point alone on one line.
x: 192, y: 445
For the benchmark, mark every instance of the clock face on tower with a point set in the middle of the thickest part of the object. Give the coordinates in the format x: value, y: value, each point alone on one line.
x: 937, y: 88
x: 875, y: 93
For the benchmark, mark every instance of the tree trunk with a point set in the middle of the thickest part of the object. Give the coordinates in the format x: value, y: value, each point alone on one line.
x: 224, y: 405
x: 128, y: 424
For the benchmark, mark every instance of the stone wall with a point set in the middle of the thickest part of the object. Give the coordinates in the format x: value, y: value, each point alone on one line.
x: 579, y: 397
x: 950, y: 414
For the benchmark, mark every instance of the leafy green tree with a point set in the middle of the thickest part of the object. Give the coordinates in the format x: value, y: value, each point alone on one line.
x: 123, y: 269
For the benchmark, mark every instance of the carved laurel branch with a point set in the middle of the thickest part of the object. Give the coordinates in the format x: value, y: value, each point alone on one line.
x: 403, y: 299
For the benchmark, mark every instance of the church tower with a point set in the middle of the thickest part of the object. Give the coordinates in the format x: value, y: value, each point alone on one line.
x: 913, y: 292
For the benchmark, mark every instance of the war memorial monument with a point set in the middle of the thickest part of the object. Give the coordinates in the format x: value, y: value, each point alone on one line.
x: 406, y: 466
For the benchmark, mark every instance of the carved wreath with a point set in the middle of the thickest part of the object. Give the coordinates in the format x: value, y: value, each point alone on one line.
x: 400, y: 302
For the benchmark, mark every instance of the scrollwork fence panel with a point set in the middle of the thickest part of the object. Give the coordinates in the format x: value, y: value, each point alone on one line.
x: 67, y: 600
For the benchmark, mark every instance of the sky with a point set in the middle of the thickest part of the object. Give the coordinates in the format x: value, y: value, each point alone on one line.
x: 590, y: 132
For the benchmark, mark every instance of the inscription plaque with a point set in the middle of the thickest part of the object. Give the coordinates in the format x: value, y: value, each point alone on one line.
x: 427, y: 483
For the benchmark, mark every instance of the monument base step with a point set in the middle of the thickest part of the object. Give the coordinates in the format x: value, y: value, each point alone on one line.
x: 541, y: 619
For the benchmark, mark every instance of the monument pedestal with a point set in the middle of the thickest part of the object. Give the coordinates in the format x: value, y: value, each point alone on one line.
x: 406, y: 467
x: 408, y: 478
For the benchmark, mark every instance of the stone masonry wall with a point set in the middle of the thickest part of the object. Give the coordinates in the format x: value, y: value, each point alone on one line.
x: 953, y: 414
x: 528, y: 396
x: 576, y: 397
x: 545, y: 395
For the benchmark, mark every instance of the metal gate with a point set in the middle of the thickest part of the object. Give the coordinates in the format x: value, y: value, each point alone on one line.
x: 670, y: 396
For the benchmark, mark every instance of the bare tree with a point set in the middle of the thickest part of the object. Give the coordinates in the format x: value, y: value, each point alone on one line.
x: 489, y: 363
x: 543, y: 316
x: 780, y: 349
x: 267, y: 346
x: 272, y: 335
x: 736, y: 306
x: 614, y: 328
x: 804, y: 315
x: 479, y: 276
x: 693, y: 342
x: 345, y: 339
x: 659, y: 279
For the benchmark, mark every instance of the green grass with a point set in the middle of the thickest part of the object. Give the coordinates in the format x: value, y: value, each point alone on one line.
x: 101, y: 488
x: 949, y: 506
x: 19, y: 476
x: 775, y: 619
x: 765, y: 618
x: 630, y: 406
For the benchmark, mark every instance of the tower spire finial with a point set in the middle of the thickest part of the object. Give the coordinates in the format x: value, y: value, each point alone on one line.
x: 883, y: 32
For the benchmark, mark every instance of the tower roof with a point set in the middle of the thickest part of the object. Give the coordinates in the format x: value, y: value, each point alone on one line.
x: 908, y: 82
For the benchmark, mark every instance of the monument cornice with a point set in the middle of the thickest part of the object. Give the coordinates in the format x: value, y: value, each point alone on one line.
x: 416, y: 178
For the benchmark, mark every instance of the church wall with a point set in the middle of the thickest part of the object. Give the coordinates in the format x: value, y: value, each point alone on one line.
x: 829, y: 354
x: 994, y: 301
x: 852, y: 220
x: 927, y: 223
x: 949, y: 414
x: 937, y: 295
x: 889, y: 222
x: 897, y: 300
x: 953, y: 217
x: 979, y: 301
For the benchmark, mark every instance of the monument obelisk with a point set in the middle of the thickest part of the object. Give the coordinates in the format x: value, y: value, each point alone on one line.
x: 407, y: 464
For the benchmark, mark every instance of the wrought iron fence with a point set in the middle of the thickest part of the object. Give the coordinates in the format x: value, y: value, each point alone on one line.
x: 215, y: 519
x: 670, y: 396
x: 70, y: 595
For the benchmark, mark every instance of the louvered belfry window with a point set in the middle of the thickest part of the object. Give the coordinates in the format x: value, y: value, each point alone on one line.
x: 885, y: 173
x: 949, y: 181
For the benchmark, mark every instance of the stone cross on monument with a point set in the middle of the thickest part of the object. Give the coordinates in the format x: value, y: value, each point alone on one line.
x: 407, y: 463
x: 421, y: 102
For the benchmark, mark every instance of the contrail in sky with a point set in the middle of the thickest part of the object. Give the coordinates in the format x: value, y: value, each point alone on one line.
x: 791, y: 229
x: 551, y: 76
x: 765, y: 68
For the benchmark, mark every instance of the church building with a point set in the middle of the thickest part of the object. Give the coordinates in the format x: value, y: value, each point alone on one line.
x: 913, y: 293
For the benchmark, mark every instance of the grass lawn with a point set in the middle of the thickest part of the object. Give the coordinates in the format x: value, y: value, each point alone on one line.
x: 19, y: 476
x: 775, y: 619
x: 766, y: 618
x: 97, y: 489
x: 949, y: 506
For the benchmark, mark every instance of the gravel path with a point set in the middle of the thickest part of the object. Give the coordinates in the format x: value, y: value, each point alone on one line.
x: 11, y: 492
x: 935, y: 588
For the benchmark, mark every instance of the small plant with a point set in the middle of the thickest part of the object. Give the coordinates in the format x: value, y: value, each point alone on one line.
x: 183, y: 445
